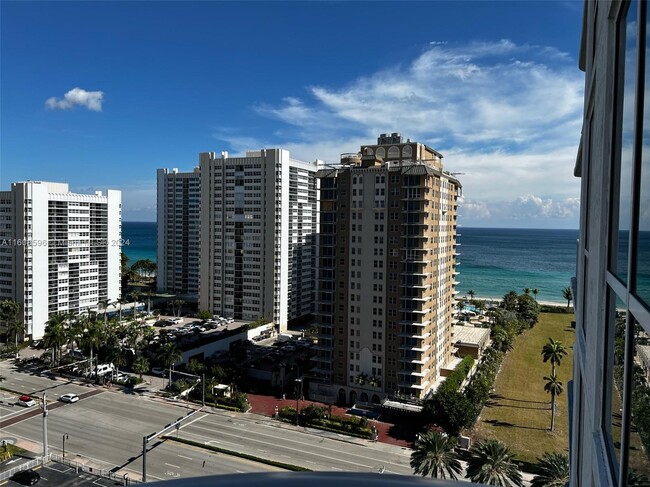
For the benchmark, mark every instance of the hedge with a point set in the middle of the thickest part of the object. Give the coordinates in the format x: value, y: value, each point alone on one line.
x: 455, y: 379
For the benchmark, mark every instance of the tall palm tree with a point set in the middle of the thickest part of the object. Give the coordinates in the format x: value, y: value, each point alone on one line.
x: 526, y: 291
x: 141, y: 366
x: 434, y: 456
x: 471, y: 294
x: 168, y: 355
x: 535, y: 293
x: 491, y: 462
x: 15, y: 327
x: 121, y: 302
x: 177, y: 303
x: 554, y: 387
x: 55, y: 335
x: 553, y: 468
x: 93, y: 336
x: 553, y: 351
x: 502, y: 339
x: 104, y: 304
x: 135, y: 296
x: 568, y: 295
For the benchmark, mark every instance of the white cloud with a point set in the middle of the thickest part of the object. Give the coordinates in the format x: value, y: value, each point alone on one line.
x: 92, y: 100
x: 508, y: 116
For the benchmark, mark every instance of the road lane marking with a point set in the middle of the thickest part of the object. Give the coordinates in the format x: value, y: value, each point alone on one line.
x: 183, y: 456
x: 193, y: 421
x: 171, y: 465
x: 311, y: 446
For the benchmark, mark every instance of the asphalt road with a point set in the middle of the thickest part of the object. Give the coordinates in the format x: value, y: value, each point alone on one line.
x: 107, y: 428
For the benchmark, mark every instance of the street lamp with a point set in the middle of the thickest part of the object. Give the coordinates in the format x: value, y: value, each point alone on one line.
x: 65, y: 437
x: 298, y: 390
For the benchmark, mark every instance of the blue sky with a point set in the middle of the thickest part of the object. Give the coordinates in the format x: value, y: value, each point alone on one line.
x: 102, y: 94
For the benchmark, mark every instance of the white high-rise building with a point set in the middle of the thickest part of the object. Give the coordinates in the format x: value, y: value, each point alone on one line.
x: 258, y: 221
x: 59, y: 251
x: 179, y: 198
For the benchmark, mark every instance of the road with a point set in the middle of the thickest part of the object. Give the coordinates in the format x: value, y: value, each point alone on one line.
x: 107, y: 428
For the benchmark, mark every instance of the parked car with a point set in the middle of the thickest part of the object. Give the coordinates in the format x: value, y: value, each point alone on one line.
x: 69, y: 397
x: 26, y: 477
x: 177, y: 320
x: 26, y: 401
x: 36, y: 344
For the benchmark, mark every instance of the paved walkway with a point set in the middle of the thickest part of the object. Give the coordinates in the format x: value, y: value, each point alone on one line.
x: 265, y: 405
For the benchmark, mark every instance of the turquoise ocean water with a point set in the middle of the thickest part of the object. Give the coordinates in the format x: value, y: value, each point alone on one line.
x: 493, y: 261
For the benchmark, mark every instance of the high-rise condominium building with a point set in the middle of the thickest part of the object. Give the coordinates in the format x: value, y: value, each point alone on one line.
x: 386, y: 267
x: 179, y: 210
x: 59, y: 251
x: 258, y: 220
x: 610, y: 420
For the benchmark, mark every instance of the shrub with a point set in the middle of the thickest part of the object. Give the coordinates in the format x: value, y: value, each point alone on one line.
x: 456, y: 378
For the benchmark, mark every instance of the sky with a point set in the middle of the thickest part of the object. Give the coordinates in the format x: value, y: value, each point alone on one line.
x: 101, y: 94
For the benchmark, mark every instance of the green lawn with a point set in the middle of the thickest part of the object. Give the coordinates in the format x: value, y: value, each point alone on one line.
x: 519, y: 412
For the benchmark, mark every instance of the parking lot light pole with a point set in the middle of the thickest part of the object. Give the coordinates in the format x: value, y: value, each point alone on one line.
x: 45, y: 412
x: 65, y: 437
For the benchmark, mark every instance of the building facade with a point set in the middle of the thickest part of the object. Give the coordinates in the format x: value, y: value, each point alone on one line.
x: 610, y: 420
x: 59, y: 251
x: 386, y: 271
x: 178, y: 213
x: 258, y: 219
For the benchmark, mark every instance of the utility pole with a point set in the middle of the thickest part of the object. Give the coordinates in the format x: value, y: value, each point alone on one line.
x: 203, y: 384
x: 44, y: 406
x: 144, y: 458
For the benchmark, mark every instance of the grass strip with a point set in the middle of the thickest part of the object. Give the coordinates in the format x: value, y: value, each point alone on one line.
x: 216, y: 449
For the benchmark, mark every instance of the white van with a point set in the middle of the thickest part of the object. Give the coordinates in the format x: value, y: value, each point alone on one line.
x: 103, y: 369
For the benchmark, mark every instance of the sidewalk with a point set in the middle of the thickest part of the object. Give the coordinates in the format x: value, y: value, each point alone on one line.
x: 265, y: 405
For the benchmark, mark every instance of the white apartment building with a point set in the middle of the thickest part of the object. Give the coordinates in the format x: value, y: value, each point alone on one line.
x: 59, y: 251
x: 179, y: 202
x: 258, y: 220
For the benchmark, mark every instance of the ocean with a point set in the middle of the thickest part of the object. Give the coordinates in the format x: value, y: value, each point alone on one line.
x: 493, y: 261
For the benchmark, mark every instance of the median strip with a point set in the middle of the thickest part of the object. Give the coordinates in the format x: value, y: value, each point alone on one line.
x: 286, y: 466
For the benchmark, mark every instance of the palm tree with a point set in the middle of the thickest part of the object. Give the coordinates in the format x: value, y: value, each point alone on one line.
x: 55, y: 335
x: 15, y: 327
x: 553, y: 351
x: 141, y: 366
x: 568, y: 295
x: 168, y: 354
x: 93, y: 336
x: 179, y: 303
x: 535, y: 293
x: 471, y: 294
x: 554, y: 387
x: 502, y: 339
x: 135, y: 297
x: 491, y: 462
x: 553, y: 468
x: 104, y: 304
x: 120, y: 302
x: 434, y: 456
x: 526, y: 291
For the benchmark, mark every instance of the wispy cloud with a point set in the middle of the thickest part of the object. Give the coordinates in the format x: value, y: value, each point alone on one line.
x: 92, y: 100
x: 507, y: 115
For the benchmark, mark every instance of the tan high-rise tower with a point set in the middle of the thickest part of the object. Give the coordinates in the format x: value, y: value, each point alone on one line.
x: 386, y: 271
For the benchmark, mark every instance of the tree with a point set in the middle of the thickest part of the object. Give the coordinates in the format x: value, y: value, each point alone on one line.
x: 177, y: 307
x: 434, y: 456
x: 55, y: 334
x: 568, y: 295
x: 9, y: 316
x: 168, y: 355
x: 553, y: 351
x: 553, y: 470
x: 527, y: 310
x: 93, y: 337
x: 636, y: 479
x: 195, y: 367
x: 141, y: 366
x: 104, y: 304
x: 451, y: 410
x: 535, y: 293
x: 527, y: 291
x: 120, y: 302
x: 204, y: 314
x: 135, y: 297
x: 471, y: 294
x: 554, y: 387
x: 510, y: 301
x: 501, y: 339
x: 491, y: 462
